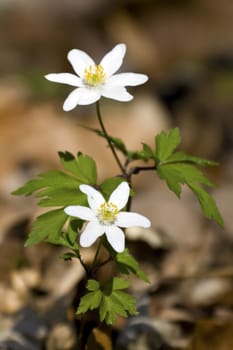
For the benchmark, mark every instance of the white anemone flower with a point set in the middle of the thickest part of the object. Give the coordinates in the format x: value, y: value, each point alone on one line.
x: 106, y: 217
x: 95, y: 80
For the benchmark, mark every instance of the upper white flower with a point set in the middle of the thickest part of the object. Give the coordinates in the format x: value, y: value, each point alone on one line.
x: 93, y: 81
x: 105, y: 217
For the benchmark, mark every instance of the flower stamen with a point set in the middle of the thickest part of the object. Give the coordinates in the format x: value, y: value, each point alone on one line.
x: 107, y: 213
x: 94, y: 75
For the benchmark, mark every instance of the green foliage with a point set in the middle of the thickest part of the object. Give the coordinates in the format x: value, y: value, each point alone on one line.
x: 126, y: 263
x: 109, y: 298
x: 83, y: 167
x: 47, y: 227
x: 119, y: 144
x: 178, y: 168
x: 166, y: 144
x: 109, y: 185
x: 59, y: 189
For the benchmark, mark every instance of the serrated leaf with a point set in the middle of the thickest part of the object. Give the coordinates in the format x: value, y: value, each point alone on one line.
x: 179, y: 174
x: 207, y: 203
x: 115, y: 302
x: 50, y: 179
x: 116, y: 283
x: 54, y: 188
x: 185, y: 158
x: 47, y: 227
x: 93, y: 285
x: 89, y: 301
x: 127, y: 263
x: 179, y: 169
x: 147, y: 151
x: 57, y: 188
x: 83, y: 167
x: 109, y: 298
x: 165, y: 144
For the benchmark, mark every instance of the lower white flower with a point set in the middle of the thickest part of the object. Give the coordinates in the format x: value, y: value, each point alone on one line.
x: 106, y: 217
x: 93, y: 81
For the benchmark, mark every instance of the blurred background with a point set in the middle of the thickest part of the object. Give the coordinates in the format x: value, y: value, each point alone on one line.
x: 186, y: 49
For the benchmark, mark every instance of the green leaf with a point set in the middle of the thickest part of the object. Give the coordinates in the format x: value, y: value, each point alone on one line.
x: 179, y: 168
x: 69, y: 239
x: 109, y: 298
x: 127, y: 263
x: 83, y: 167
x: 93, y: 285
x: 166, y: 143
x: 207, y: 203
x: 47, y: 227
x: 68, y: 256
x: 89, y: 301
x: 109, y: 185
x: 147, y: 152
x: 54, y: 188
x: 117, y: 142
x: 183, y: 157
x: 179, y: 174
x: 57, y: 188
x: 115, y: 302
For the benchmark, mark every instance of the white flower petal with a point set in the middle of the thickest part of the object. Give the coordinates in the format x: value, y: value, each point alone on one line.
x: 112, y: 61
x: 65, y: 78
x: 125, y: 219
x: 81, y: 96
x: 94, y: 197
x: 118, y: 93
x: 81, y: 212
x: 90, y: 234
x: 80, y: 60
x: 127, y: 79
x: 120, y: 195
x: 116, y: 238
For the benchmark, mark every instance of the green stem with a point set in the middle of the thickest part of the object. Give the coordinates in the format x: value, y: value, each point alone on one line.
x: 108, y: 139
x: 96, y: 255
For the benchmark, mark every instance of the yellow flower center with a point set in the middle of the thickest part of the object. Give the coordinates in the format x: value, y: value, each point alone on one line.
x: 94, y: 75
x: 107, y: 213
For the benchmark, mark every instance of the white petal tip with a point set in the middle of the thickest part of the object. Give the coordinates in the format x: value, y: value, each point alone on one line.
x: 145, y: 78
x: 146, y: 223
x: 71, y: 52
x: 69, y: 210
x: 49, y: 76
x: 67, y: 108
x: 120, y: 250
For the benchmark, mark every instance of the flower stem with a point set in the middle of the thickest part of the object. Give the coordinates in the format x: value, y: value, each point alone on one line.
x: 96, y: 255
x: 108, y: 138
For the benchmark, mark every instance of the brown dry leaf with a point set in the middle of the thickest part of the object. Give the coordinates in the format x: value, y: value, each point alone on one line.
x: 210, y: 335
x: 99, y: 339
